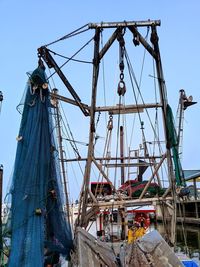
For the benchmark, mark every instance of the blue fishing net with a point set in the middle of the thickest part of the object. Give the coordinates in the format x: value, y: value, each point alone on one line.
x: 39, y: 225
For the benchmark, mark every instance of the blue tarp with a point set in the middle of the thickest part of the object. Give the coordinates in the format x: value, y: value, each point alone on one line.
x: 189, y: 263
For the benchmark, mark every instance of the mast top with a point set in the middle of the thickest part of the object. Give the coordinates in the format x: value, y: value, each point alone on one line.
x: 143, y: 23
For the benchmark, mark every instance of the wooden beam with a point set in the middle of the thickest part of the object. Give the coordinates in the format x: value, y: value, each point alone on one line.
x: 152, y: 176
x: 123, y: 109
x: 90, y: 153
x: 67, y: 100
x: 45, y: 54
x: 108, y: 44
x: 148, y: 47
x: 128, y: 203
x: 142, y: 23
x: 105, y: 176
x: 119, y: 165
x: 112, y: 158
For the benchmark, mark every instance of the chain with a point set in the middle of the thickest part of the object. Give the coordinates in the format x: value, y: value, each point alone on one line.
x: 121, y: 85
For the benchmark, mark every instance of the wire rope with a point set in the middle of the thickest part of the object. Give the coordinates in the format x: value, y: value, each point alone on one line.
x: 104, y: 78
x: 72, y: 56
x: 71, y: 34
x: 69, y: 58
x: 140, y: 81
x: 131, y: 74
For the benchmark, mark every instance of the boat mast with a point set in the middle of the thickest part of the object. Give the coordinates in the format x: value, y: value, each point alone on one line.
x: 1, y: 185
x: 122, y: 154
x: 61, y: 153
x: 85, y: 188
x: 164, y: 102
x: 184, y: 103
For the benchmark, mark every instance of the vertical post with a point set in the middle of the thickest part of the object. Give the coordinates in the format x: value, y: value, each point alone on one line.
x: 62, y: 155
x: 122, y: 153
x: 195, y: 189
x: 122, y: 214
x: 181, y: 98
x: 1, y: 186
x: 163, y: 97
x: 85, y: 188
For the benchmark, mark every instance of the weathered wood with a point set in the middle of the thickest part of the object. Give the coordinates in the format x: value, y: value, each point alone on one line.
x: 92, y: 127
x: 119, y: 165
x: 152, y: 176
x: 141, y: 23
x: 61, y: 154
x: 112, y: 158
x: 123, y: 109
x: 68, y: 100
x: 108, y: 44
x: 105, y: 176
x: 147, y: 46
x: 128, y: 202
x: 44, y: 53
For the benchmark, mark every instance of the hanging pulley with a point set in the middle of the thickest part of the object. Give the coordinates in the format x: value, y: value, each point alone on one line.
x: 110, y: 123
x: 121, y: 90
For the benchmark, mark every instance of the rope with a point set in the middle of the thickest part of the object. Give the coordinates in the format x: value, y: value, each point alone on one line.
x: 136, y: 100
x: 104, y: 82
x: 115, y: 171
x: 71, y: 57
x: 183, y: 227
x: 70, y: 135
x: 140, y: 81
x: 71, y: 34
x: 105, y: 152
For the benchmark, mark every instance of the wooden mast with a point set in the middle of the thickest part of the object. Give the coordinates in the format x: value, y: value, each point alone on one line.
x: 122, y: 153
x: 163, y: 98
x: 61, y: 153
x: 1, y: 185
x: 85, y: 188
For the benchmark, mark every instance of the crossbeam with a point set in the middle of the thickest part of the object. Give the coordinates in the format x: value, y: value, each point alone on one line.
x: 123, y: 109
x: 129, y: 202
x: 47, y: 57
x: 117, y: 165
x: 112, y: 158
x: 142, y: 23
x: 68, y: 100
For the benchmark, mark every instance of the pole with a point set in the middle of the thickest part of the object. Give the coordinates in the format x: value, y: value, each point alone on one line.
x: 163, y: 99
x: 1, y: 186
x: 62, y: 156
x: 85, y: 188
x: 122, y: 153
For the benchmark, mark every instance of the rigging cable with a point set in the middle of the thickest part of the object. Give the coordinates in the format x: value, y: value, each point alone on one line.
x: 71, y: 139
x: 157, y: 124
x: 140, y: 81
x: 71, y: 56
x: 131, y: 74
x: 69, y: 134
x: 104, y: 82
x: 105, y: 152
x: 71, y: 34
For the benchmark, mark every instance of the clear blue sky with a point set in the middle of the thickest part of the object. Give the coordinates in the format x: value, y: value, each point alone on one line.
x: 26, y: 25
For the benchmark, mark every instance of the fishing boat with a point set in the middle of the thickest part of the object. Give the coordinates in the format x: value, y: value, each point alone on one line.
x: 128, y: 168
